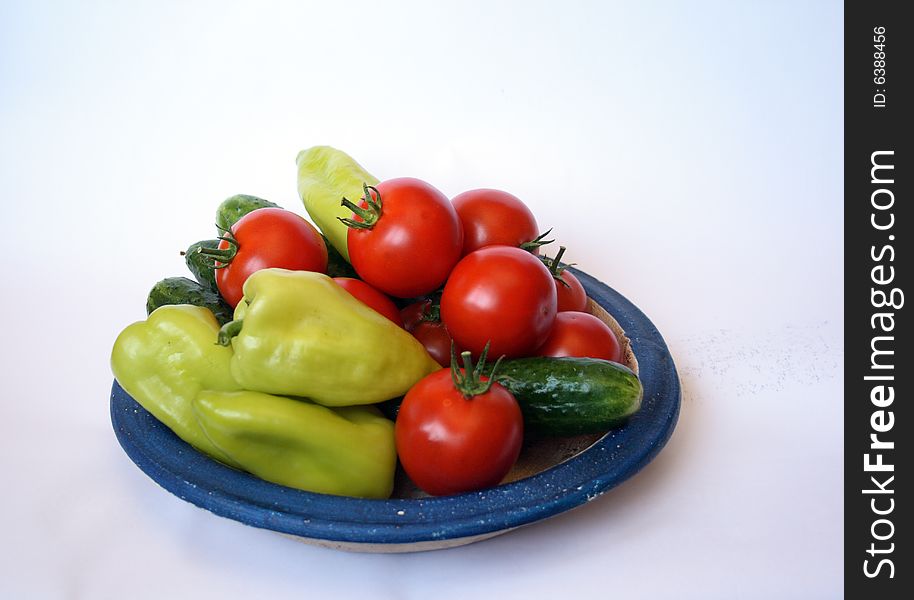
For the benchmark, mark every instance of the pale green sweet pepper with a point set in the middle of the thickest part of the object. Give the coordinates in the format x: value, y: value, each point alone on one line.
x: 173, y: 367
x: 325, y: 176
x: 346, y: 451
x: 298, y: 333
x: 166, y: 360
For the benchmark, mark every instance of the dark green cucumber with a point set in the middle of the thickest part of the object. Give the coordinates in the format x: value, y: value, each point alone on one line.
x: 236, y: 207
x: 181, y: 290
x: 202, y: 267
x: 337, y: 266
x: 390, y: 408
x: 570, y: 396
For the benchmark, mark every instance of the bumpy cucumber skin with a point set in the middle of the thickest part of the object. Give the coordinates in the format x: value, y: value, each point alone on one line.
x: 571, y: 396
x: 200, y: 265
x: 181, y: 290
x: 236, y: 207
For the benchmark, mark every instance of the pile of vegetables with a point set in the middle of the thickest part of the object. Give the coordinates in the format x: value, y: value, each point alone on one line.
x: 319, y: 358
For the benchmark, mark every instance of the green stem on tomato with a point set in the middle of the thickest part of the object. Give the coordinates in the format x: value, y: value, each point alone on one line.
x: 370, y: 215
x: 469, y: 382
x: 431, y: 311
x: 222, y: 255
x: 536, y: 242
x: 555, y: 267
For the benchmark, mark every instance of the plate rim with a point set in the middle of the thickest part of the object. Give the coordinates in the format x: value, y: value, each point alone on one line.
x: 208, y: 484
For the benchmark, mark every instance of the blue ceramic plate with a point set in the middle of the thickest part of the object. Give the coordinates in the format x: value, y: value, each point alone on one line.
x: 413, y: 524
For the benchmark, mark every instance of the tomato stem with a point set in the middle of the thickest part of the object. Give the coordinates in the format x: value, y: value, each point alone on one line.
x: 537, y: 241
x: 223, y: 255
x: 469, y: 381
x: 431, y: 308
x: 556, y: 267
x: 468, y: 362
x: 370, y: 215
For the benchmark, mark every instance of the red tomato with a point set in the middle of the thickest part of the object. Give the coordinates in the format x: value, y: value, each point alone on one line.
x: 448, y: 443
x: 406, y: 242
x: 581, y: 334
x: 415, y: 313
x: 371, y: 297
x: 436, y: 339
x: 571, y: 294
x: 265, y: 238
x: 432, y: 333
x: 493, y: 217
x: 500, y: 294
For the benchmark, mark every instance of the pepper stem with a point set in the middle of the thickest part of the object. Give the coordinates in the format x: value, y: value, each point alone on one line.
x: 469, y: 382
x: 228, y: 331
x: 370, y: 215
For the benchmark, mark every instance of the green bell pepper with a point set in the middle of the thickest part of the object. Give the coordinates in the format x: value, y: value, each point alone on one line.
x: 172, y: 367
x: 325, y: 176
x: 298, y: 333
x: 166, y: 360
x: 346, y: 451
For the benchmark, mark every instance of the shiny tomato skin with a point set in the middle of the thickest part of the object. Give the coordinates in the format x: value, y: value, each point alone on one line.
x: 267, y: 238
x: 371, y: 298
x: 414, y: 313
x: 503, y: 295
x: 432, y: 334
x: 581, y: 334
x: 571, y: 294
x: 436, y: 339
x: 449, y: 444
x: 493, y: 217
x: 414, y: 244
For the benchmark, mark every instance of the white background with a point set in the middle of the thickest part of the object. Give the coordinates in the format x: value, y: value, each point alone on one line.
x: 689, y: 154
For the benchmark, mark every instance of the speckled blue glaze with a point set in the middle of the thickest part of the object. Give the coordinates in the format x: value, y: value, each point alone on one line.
x: 183, y: 471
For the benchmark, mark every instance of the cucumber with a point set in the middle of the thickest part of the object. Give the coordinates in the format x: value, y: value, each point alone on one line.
x: 181, y: 290
x: 562, y: 397
x: 237, y: 206
x: 570, y: 396
x: 390, y: 408
x: 337, y: 266
x: 200, y: 265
